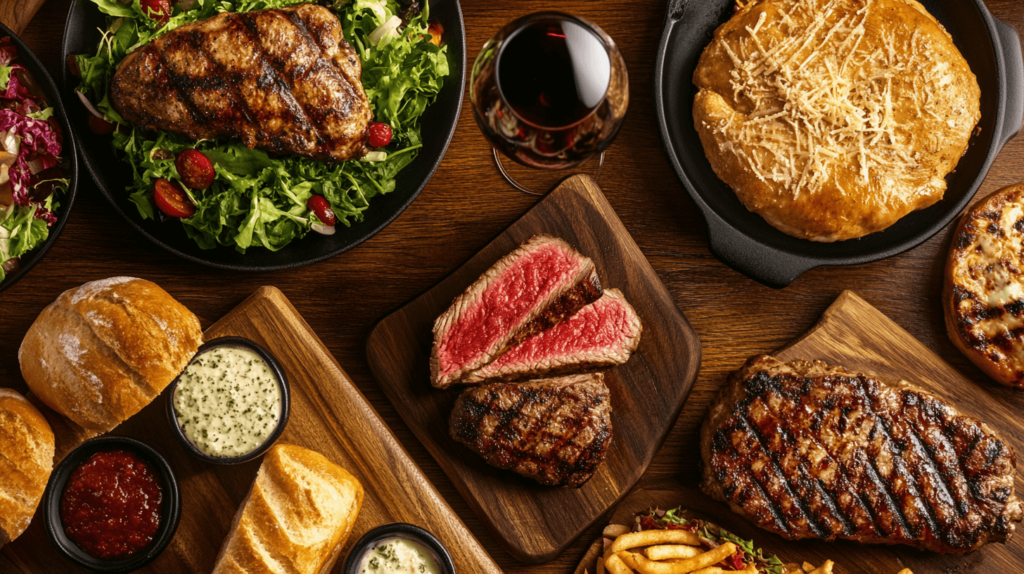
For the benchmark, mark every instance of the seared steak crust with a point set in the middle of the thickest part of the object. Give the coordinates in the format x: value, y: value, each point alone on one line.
x: 812, y: 451
x: 555, y: 431
x: 283, y: 80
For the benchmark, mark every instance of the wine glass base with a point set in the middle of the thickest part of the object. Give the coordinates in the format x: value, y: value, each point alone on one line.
x: 560, y: 174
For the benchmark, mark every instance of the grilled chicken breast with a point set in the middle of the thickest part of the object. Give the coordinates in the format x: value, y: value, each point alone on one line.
x: 555, y: 431
x: 806, y: 450
x: 984, y: 287
x: 283, y: 80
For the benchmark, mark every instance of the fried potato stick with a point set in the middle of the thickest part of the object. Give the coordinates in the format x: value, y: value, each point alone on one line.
x: 652, y: 537
x: 749, y: 569
x: 825, y: 568
x: 704, y: 560
x: 615, y: 565
x: 672, y: 552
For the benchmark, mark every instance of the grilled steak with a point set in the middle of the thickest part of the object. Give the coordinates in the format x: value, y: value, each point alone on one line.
x: 538, y: 285
x: 283, y: 80
x: 600, y: 335
x: 984, y: 287
x: 555, y: 431
x: 812, y: 451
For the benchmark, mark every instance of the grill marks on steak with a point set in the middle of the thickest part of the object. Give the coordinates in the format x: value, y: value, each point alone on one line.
x: 600, y: 335
x: 538, y: 285
x: 283, y: 80
x: 812, y: 451
x: 555, y: 431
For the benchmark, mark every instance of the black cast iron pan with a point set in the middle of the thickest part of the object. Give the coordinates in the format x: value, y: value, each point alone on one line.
x: 82, y: 35
x: 748, y: 244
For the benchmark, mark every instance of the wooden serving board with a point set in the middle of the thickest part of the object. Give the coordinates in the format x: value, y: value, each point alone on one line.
x: 328, y: 415
x: 533, y: 522
x: 857, y: 336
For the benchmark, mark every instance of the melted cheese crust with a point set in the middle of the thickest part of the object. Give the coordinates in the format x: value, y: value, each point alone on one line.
x: 833, y: 119
x: 984, y: 298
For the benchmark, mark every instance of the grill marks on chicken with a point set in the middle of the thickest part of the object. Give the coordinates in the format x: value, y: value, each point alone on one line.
x: 283, y: 80
x: 812, y: 451
x: 555, y: 431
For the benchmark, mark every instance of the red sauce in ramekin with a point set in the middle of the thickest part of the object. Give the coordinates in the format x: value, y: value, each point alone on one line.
x: 111, y: 505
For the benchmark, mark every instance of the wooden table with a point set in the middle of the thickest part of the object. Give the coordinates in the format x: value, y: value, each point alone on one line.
x: 466, y: 204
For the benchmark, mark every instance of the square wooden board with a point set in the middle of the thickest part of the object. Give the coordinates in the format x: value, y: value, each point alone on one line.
x: 533, y: 522
x: 328, y: 415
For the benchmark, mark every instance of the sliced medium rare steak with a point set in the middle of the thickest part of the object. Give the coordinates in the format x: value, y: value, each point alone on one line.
x: 600, y: 335
x: 807, y: 450
x: 555, y: 431
x: 538, y: 285
x: 283, y: 80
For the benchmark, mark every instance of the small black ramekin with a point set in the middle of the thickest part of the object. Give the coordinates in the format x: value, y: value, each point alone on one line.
x: 282, y: 382
x: 398, y: 530
x: 170, y: 512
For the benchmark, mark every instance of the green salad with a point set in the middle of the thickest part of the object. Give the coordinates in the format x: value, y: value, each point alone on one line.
x: 257, y: 199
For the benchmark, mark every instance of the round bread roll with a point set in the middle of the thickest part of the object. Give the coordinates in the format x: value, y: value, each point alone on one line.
x: 834, y: 119
x: 26, y: 459
x: 984, y: 288
x: 103, y: 351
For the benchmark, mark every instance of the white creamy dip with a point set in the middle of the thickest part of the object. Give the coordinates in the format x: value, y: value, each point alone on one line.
x: 227, y: 401
x: 399, y: 556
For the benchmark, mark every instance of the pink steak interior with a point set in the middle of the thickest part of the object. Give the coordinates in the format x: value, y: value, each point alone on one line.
x: 601, y: 325
x: 505, y: 303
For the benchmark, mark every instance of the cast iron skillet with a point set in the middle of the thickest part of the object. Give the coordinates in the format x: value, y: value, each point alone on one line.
x: 69, y: 156
x: 748, y: 244
x: 81, y: 35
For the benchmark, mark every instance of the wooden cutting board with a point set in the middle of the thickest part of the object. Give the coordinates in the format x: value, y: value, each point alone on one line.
x: 533, y: 522
x: 328, y: 415
x: 857, y: 336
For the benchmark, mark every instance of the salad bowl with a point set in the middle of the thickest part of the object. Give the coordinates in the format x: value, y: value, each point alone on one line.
x: 82, y: 34
x: 68, y: 155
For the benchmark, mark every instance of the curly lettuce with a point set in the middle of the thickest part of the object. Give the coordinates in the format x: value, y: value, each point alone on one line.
x: 258, y: 200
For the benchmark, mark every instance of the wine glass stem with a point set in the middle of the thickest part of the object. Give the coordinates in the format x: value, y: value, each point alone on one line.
x: 508, y: 177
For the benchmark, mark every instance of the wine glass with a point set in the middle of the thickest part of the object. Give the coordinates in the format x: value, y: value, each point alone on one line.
x: 549, y: 91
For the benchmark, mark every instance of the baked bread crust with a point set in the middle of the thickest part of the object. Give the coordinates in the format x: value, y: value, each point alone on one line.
x: 26, y: 459
x: 983, y: 294
x: 834, y: 119
x: 295, y: 519
x: 103, y: 351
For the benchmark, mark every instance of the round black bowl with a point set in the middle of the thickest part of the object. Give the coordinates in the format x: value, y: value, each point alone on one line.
x: 69, y: 155
x: 745, y: 241
x: 398, y: 530
x: 282, y: 382
x: 82, y: 35
x: 168, y: 522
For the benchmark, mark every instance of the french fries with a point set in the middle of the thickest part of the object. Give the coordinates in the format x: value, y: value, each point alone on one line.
x: 615, y: 565
x: 652, y: 537
x: 671, y: 552
x: 750, y: 569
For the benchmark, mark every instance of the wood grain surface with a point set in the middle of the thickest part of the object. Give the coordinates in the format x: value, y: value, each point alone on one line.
x: 466, y: 205
x: 533, y: 522
x: 328, y: 414
x: 858, y: 337
x: 16, y: 14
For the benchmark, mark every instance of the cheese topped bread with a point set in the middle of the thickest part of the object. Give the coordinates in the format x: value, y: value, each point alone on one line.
x: 832, y: 119
x: 984, y: 287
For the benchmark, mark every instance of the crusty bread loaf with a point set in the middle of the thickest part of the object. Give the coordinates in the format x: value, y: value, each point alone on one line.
x: 26, y: 459
x: 296, y: 517
x: 103, y: 351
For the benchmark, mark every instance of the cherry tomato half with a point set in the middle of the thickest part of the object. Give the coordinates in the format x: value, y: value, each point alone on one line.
x: 159, y: 10
x: 322, y: 209
x: 171, y: 199
x: 380, y: 134
x: 436, y: 30
x: 195, y: 169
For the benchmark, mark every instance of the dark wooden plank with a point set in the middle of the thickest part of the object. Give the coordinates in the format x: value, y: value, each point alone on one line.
x: 859, y: 337
x: 536, y: 523
x: 328, y: 415
x: 466, y: 205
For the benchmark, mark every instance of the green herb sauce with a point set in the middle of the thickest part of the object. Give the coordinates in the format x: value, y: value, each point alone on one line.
x: 399, y: 556
x: 227, y: 401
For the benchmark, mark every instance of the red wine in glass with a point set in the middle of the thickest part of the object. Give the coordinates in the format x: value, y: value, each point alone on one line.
x: 550, y: 90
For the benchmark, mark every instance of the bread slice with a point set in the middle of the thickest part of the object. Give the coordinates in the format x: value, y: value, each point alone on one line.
x: 296, y: 517
x: 26, y: 459
x: 541, y: 283
x: 983, y: 295
x: 103, y: 351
